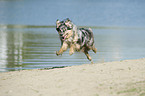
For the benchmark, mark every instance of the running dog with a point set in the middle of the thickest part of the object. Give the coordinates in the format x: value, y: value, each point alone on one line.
x: 77, y: 39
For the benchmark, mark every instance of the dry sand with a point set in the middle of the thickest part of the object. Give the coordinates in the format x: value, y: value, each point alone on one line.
x: 121, y: 78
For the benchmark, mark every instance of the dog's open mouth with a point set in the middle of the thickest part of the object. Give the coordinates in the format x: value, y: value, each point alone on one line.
x: 65, y: 36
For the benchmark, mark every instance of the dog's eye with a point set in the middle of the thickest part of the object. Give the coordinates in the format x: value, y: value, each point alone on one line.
x: 62, y: 37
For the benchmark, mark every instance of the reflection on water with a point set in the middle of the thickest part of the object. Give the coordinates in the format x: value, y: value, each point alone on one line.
x: 30, y: 48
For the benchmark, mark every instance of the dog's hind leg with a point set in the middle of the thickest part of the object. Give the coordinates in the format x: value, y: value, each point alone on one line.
x: 88, y: 56
x: 62, y: 49
x: 94, y: 49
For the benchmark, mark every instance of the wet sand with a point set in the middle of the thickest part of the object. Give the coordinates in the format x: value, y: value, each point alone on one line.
x: 119, y: 78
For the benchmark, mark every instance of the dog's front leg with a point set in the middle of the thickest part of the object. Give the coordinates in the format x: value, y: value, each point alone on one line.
x: 62, y: 49
x: 71, y: 49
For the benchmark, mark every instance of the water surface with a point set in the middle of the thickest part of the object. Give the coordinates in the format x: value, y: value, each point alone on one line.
x: 31, y: 48
x: 28, y: 39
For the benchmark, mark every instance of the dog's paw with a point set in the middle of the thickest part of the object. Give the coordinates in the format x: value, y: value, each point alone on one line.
x: 89, y: 58
x: 57, y: 53
x: 95, y: 50
x: 92, y: 62
x: 71, y: 52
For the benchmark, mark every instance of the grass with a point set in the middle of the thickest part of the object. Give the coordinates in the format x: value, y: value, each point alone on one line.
x: 135, y: 89
x: 127, y: 91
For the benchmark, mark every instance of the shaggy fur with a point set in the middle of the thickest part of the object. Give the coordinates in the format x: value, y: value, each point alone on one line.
x: 77, y: 39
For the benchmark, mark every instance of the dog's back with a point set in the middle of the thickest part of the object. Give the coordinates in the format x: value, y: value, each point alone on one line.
x: 85, y: 37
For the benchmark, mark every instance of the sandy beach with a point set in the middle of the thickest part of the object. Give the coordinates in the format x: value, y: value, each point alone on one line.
x: 119, y: 78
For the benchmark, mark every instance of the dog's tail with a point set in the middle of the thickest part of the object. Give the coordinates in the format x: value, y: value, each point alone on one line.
x: 91, y: 32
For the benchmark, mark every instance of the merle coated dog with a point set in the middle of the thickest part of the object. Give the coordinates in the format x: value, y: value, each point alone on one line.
x: 77, y: 39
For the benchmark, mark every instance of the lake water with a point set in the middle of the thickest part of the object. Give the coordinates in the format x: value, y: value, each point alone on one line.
x: 28, y: 39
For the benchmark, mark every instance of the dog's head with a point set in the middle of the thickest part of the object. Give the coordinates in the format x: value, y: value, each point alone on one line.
x: 64, y: 29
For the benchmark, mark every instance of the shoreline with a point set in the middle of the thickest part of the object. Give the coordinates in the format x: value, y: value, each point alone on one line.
x: 117, y: 78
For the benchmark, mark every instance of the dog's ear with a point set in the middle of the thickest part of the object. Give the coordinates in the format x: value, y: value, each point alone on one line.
x: 67, y: 19
x: 57, y: 23
x: 67, y: 22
